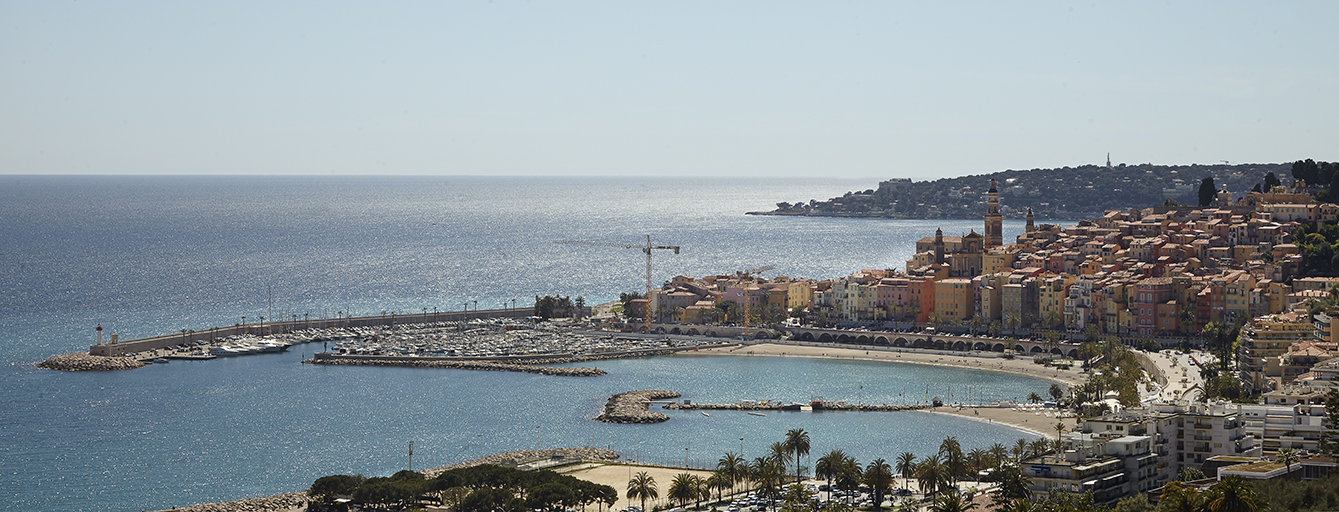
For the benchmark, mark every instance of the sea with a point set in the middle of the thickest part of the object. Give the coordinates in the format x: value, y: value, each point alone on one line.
x: 148, y: 255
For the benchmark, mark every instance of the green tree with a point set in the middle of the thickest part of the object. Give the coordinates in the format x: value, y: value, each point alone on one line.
x: 1177, y: 497
x: 954, y: 461
x: 733, y: 465
x: 1056, y: 392
x: 933, y: 476
x: 1232, y: 494
x: 1207, y: 191
x: 952, y: 501
x: 878, y: 476
x: 906, y: 464
x: 797, y: 498
x: 1271, y: 181
x: 327, y: 487
x: 1329, y: 438
x: 797, y: 441
x: 684, y: 488
x: 1288, y: 457
x: 642, y: 486
x: 829, y: 466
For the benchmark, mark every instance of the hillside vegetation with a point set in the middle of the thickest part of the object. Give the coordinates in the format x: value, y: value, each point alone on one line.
x: 1064, y: 193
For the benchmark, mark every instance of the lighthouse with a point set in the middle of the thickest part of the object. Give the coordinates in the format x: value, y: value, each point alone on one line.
x: 99, y: 333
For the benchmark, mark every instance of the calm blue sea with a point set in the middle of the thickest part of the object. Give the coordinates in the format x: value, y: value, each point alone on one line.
x: 152, y: 255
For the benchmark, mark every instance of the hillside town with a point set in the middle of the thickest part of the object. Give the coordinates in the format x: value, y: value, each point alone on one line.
x: 1230, y: 277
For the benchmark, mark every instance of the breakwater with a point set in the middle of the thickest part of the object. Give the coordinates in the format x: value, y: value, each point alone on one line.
x: 816, y: 406
x: 634, y: 407
x: 85, y: 362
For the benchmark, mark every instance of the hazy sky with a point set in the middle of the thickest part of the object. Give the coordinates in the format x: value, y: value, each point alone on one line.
x: 721, y: 88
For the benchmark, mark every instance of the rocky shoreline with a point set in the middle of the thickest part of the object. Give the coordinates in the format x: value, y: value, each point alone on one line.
x: 632, y: 407
x: 277, y: 503
x: 85, y: 362
x: 518, y: 457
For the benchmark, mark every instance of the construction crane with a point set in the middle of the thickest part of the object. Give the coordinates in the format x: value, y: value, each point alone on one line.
x: 645, y: 249
x: 746, y: 276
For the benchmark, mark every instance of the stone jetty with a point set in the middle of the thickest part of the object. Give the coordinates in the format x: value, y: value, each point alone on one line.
x: 816, y: 406
x: 442, y: 362
x: 632, y: 407
x: 519, y: 457
x: 85, y: 362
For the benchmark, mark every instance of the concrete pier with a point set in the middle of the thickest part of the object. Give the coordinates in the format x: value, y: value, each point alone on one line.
x: 121, y: 348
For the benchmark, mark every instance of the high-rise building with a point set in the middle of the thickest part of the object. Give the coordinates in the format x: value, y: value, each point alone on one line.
x: 994, y: 221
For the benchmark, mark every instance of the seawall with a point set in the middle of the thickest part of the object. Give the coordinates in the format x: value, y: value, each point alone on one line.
x: 121, y: 348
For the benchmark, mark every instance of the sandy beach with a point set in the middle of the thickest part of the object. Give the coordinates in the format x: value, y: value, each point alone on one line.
x: 1034, y: 423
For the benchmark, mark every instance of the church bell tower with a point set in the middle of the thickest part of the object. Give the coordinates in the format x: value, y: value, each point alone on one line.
x: 994, y: 221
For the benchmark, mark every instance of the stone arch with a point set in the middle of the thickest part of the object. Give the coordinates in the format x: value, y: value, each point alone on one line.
x: 1056, y: 351
x: 711, y: 334
x: 939, y: 344
x: 959, y: 345
x: 999, y: 347
x: 843, y: 338
x: 1035, y: 350
x: 900, y: 342
x: 693, y: 332
x: 1073, y: 354
x: 980, y: 346
x: 675, y: 331
x: 807, y: 336
x: 881, y: 340
x: 862, y: 339
x: 1019, y: 348
x: 642, y: 329
x: 825, y: 337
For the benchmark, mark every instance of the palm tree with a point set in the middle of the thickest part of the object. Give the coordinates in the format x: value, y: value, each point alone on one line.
x: 954, y: 461
x: 906, y: 464
x: 1033, y: 397
x: 1179, y: 498
x: 767, y: 472
x: 797, y: 498
x: 1039, y: 447
x: 1059, y: 429
x: 1020, y: 450
x: 684, y: 488
x: 952, y: 501
x: 1232, y: 494
x: 998, y: 453
x: 879, y: 477
x: 829, y: 466
x: 1288, y: 457
x: 719, y: 480
x: 932, y: 475
x: 977, y: 460
x: 848, y: 479
x: 781, y: 453
x: 797, y: 440
x: 1013, y: 485
x: 642, y: 486
x: 734, y: 466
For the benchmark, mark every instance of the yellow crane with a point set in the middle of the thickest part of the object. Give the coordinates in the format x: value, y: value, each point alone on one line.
x: 647, y: 249
x: 746, y: 277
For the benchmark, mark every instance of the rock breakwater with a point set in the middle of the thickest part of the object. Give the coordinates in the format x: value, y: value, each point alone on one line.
x: 85, y: 362
x: 633, y: 407
x: 427, y: 362
x: 518, y: 457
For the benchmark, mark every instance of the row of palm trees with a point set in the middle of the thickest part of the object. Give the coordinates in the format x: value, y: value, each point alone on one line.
x: 936, y: 474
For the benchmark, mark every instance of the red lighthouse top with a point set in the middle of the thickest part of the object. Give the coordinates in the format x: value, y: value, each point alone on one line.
x: 99, y: 327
